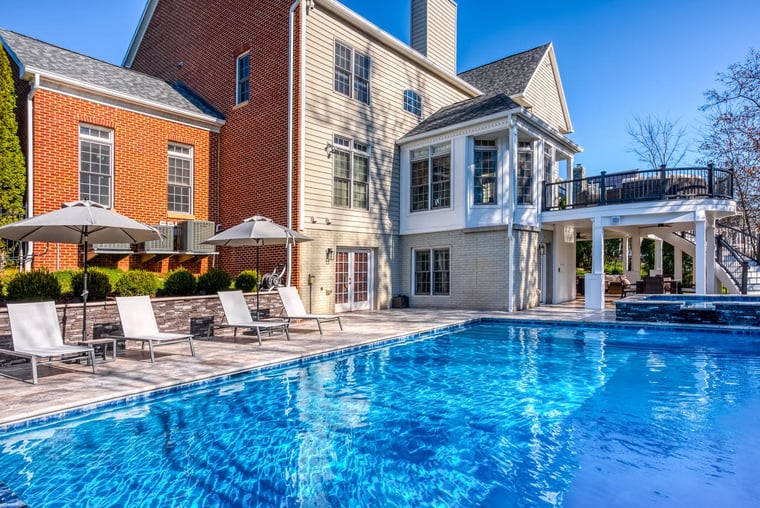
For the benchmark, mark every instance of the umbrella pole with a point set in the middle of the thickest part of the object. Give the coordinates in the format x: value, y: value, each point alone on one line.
x: 258, y: 284
x: 84, y: 293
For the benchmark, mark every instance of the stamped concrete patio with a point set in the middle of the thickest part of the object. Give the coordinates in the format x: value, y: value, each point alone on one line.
x: 63, y: 387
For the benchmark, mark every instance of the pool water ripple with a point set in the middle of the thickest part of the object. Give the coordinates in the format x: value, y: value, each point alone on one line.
x: 489, y: 415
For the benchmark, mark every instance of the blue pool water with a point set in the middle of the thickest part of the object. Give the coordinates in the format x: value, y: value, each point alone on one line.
x: 488, y: 415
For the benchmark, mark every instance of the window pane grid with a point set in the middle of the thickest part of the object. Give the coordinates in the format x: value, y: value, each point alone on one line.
x: 432, y: 272
x: 352, y: 73
x: 95, y: 164
x: 350, y: 173
x: 243, y: 77
x: 412, y: 102
x: 485, y: 172
x: 180, y: 179
x: 524, y: 174
x: 422, y: 272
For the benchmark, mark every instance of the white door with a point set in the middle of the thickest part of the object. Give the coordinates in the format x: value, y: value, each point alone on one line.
x: 353, y: 284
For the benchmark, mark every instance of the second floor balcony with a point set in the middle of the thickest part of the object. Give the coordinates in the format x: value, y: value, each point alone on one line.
x: 637, y: 186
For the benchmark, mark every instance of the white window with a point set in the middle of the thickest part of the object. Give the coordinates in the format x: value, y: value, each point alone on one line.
x: 431, y: 178
x: 350, y: 173
x: 95, y: 164
x: 243, y: 79
x: 431, y: 271
x: 412, y: 102
x: 525, y: 173
x: 180, y: 190
x: 485, y: 172
x: 352, y: 72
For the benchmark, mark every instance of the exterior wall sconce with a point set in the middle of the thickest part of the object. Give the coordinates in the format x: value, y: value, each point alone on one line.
x: 329, y: 149
x: 329, y: 254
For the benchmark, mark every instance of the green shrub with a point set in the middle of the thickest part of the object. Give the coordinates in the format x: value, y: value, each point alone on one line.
x: 213, y: 281
x: 34, y: 285
x: 98, y: 284
x: 136, y: 283
x: 247, y: 280
x: 180, y: 282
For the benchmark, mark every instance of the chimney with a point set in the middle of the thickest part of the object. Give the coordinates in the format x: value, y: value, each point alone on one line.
x: 434, y: 31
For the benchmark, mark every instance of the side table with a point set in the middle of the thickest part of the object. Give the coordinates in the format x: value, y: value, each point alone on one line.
x: 101, y: 342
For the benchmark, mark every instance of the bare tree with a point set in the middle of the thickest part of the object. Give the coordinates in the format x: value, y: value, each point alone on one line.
x: 657, y: 141
x: 732, y: 136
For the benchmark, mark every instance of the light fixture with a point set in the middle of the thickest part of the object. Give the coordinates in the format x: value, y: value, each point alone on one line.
x: 329, y: 254
x: 329, y: 149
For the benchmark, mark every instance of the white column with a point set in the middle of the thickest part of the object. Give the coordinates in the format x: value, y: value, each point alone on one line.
x: 677, y: 263
x: 595, y: 279
x: 712, y: 283
x: 658, y: 256
x: 700, y: 254
x: 626, y: 252
x: 635, y: 258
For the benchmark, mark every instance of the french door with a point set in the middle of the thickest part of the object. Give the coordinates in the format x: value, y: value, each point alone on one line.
x: 353, y: 284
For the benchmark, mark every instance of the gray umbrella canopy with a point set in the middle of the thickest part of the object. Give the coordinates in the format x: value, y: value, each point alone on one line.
x: 80, y: 222
x: 257, y: 231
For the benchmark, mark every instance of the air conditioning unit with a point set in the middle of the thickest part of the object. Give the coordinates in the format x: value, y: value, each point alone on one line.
x: 191, y: 233
x: 165, y: 244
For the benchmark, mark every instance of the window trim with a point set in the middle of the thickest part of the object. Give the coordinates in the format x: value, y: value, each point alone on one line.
x: 239, y: 81
x: 491, y: 148
x: 413, y: 102
x: 353, y: 148
x: 95, y: 139
x: 522, y: 148
x: 434, y: 152
x: 431, y: 251
x: 191, y: 186
x: 352, y: 73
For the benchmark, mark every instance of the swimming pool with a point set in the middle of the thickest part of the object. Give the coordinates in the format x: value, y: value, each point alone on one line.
x: 492, y: 414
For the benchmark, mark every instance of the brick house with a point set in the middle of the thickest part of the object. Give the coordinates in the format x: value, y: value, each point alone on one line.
x: 92, y: 130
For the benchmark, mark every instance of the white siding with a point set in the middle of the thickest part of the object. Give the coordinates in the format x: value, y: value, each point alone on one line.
x: 543, y: 93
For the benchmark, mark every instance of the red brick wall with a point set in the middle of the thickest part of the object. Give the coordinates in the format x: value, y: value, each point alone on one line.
x: 207, y: 37
x: 139, y: 167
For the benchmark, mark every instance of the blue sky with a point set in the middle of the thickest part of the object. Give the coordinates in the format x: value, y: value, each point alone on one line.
x: 617, y: 58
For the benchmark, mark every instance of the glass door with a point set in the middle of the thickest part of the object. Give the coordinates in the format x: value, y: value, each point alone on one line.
x: 353, y: 284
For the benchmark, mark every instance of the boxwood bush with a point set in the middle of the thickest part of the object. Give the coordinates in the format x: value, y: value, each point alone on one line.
x: 37, y: 285
x: 98, y: 284
x: 136, y: 283
x: 213, y: 281
x: 246, y: 280
x: 180, y: 282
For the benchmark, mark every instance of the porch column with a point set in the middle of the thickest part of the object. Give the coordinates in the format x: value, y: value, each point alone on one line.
x: 712, y: 282
x: 595, y: 279
x: 677, y: 263
x: 658, y: 256
x: 626, y: 252
x: 700, y: 254
x: 635, y: 274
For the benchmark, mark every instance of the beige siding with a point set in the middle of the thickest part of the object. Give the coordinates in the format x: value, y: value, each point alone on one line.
x: 434, y: 31
x: 543, y: 94
x: 379, y: 124
x: 419, y: 25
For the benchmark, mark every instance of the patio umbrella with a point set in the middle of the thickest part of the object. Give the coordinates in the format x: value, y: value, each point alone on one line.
x: 257, y: 231
x: 80, y: 222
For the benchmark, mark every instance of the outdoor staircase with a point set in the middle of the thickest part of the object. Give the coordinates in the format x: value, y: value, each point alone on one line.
x: 737, y: 263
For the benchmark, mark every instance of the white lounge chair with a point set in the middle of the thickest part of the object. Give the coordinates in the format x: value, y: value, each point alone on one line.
x: 294, y: 309
x: 138, y: 322
x: 37, y: 336
x: 238, y: 315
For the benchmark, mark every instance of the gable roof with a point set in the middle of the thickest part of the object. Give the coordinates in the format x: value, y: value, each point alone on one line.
x: 510, y: 75
x: 461, y: 112
x: 52, y: 62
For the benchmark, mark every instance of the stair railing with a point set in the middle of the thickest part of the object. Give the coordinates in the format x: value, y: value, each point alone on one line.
x: 733, y: 262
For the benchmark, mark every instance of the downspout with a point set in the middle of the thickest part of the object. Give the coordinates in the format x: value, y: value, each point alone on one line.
x: 30, y: 162
x: 291, y: 110
x: 511, y: 215
x: 291, y: 57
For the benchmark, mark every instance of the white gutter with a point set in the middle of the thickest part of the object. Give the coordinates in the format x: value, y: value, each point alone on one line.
x: 30, y: 158
x: 459, y: 125
x: 125, y: 97
x: 291, y: 110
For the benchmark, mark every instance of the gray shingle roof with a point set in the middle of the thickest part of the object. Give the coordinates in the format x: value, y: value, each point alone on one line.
x: 509, y: 75
x: 464, y: 111
x: 47, y: 58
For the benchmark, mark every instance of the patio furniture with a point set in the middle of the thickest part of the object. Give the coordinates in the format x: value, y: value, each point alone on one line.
x: 654, y: 285
x: 294, y: 308
x: 627, y: 287
x: 37, y: 336
x: 238, y: 315
x: 139, y: 324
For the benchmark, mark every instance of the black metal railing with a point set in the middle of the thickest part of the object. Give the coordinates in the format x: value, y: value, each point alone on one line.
x: 735, y: 265
x: 743, y: 242
x: 633, y: 186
